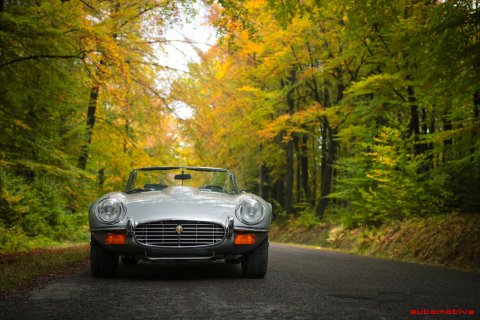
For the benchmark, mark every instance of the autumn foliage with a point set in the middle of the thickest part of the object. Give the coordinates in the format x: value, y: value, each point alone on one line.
x: 363, y: 111
x: 359, y: 111
x: 80, y: 107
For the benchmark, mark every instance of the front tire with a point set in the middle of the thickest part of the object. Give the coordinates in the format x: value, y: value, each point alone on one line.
x: 254, y: 264
x: 103, y: 263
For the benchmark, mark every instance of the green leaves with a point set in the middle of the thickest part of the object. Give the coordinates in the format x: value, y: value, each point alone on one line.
x: 368, y: 109
x: 376, y: 90
x: 52, y: 54
x: 375, y: 84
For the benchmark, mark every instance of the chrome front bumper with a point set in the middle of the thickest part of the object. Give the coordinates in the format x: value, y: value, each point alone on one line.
x: 221, y: 250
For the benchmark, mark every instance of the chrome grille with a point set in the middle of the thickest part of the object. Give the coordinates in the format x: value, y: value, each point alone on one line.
x: 164, y: 233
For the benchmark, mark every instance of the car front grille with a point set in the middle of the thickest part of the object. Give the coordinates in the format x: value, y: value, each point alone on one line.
x: 179, y: 233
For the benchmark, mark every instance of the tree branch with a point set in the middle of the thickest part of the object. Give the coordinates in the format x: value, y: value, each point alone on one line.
x: 42, y: 56
x: 399, y: 94
x: 88, y: 5
x: 152, y: 41
x: 157, y: 65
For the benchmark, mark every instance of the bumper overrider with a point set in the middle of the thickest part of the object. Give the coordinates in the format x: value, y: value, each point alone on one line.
x: 129, y: 240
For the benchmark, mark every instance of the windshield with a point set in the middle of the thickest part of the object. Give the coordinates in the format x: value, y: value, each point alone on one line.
x: 214, y: 180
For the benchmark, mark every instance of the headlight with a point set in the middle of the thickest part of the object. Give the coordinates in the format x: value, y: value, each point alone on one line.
x: 250, y: 211
x: 110, y: 211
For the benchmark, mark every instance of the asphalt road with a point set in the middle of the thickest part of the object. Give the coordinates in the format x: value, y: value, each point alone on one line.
x: 300, y: 284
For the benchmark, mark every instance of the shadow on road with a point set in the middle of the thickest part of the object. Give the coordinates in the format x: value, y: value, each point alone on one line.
x: 179, y: 271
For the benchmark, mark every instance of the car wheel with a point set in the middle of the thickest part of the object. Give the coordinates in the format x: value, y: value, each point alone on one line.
x: 129, y: 261
x: 254, y: 264
x: 103, y: 263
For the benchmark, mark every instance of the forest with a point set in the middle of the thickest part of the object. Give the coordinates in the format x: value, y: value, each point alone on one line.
x: 360, y: 112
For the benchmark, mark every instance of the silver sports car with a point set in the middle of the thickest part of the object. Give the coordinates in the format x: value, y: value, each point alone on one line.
x: 171, y: 214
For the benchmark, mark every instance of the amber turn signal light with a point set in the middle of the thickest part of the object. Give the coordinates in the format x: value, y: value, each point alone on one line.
x: 246, y: 238
x: 115, y: 238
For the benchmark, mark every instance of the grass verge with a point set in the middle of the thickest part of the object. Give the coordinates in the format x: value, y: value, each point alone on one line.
x: 447, y: 240
x: 25, y: 270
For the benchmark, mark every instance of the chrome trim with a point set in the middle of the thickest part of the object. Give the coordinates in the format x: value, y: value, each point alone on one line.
x: 120, y: 216
x: 239, y: 216
x: 229, y: 226
x: 106, y: 229
x: 183, y: 222
x: 131, y: 224
x: 250, y: 229
x: 211, y: 257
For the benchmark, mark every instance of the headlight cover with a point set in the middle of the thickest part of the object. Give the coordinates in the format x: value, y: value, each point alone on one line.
x: 110, y: 211
x: 250, y: 211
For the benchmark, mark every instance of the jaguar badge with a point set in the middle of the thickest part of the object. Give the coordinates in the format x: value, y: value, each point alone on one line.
x: 179, y: 229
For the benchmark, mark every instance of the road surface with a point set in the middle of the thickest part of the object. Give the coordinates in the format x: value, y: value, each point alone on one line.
x: 300, y: 284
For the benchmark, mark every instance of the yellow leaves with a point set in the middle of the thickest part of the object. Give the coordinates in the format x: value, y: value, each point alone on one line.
x: 223, y: 70
x: 309, y: 115
x: 11, y: 198
x: 373, y: 84
x: 333, y: 116
x: 295, y: 123
x: 249, y: 89
x: 308, y: 73
x: 382, y: 157
x: 253, y: 5
x: 379, y: 175
x: 275, y: 127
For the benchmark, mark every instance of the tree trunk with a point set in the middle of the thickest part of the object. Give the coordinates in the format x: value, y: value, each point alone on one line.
x: 277, y: 191
x: 298, y: 172
x: 327, y: 174
x: 414, y: 125
x: 304, y: 166
x: 431, y: 145
x: 427, y: 147
x: 92, y: 107
x: 321, y: 205
x: 101, y: 178
x: 288, y: 188
x: 260, y: 181
x: 328, y: 163
x: 289, y: 172
x: 323, y: 147
x: 314, y: 172
x: 127, y: 135
x: 447, y: 126
x: 476, y: 116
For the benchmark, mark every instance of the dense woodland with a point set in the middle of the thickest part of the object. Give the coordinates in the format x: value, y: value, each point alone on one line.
x: 358, y: 111
x: 365, y: 110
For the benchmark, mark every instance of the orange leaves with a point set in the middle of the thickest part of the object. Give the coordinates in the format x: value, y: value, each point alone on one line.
x: 299, y: 122
x: 273, y: 128
x: 21, y: 124
x: 308, y: 116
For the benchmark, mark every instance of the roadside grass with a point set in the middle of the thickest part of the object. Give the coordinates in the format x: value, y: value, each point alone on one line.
x: 446, y: 240
x: 24, y: 270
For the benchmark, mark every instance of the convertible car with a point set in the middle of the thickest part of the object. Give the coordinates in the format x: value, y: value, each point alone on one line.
x: 174, y: 214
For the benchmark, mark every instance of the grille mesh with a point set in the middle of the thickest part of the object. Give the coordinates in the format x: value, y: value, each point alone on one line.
x: 164, y: 233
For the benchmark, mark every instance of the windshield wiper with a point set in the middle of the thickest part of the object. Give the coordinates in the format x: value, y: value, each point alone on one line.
x: 135, y: 190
